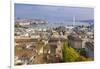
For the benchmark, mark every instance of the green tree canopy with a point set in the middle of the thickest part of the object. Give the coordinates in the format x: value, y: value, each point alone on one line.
x: 69, y: 54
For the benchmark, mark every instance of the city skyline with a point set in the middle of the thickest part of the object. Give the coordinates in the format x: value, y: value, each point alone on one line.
x: 43, y: 34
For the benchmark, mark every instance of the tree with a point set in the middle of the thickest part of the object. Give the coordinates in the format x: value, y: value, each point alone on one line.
x: 69, y: 54
x: 83, y: 52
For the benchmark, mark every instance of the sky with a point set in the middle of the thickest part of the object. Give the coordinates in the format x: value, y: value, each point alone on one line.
x: 53, y: 13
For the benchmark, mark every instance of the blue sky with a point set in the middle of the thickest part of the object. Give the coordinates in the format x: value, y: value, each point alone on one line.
x: 53, y: 13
